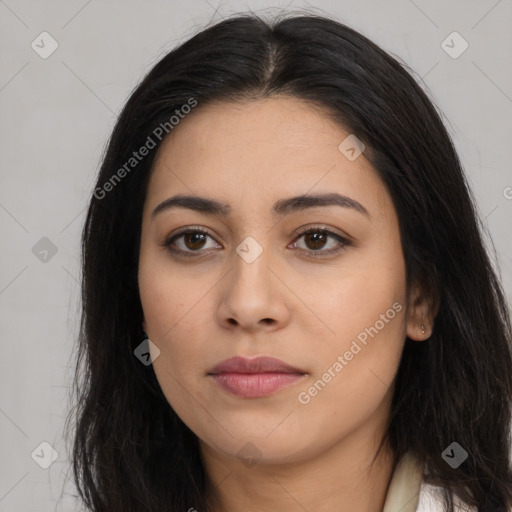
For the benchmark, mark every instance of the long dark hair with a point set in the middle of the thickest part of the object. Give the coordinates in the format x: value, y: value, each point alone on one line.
x: 131, y: 451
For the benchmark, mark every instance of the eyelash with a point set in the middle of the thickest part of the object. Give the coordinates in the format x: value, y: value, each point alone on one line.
x: 312, y: 253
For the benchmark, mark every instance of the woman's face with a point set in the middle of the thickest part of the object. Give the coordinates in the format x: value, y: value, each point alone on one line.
x: 331, y: 306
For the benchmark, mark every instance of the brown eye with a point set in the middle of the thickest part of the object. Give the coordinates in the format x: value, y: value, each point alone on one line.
x: 188, y: 242
x: 316, y: 239
x: 194, y: 240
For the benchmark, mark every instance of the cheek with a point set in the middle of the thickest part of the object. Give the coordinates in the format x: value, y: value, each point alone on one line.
x: 364, y: 351
x: 365, y: 312
x: 355, y: 370
x: 164, y: 304
x: 178, y: 312
x: 167, y: 295
x: 173, y: 317
x: 359, y: 293
x: 173, y: 314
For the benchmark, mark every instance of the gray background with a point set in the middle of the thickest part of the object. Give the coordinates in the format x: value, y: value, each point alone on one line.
x: 57, y: 113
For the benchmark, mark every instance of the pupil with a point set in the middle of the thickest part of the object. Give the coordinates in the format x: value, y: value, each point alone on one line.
x: 194, y: 237
x: 320, y: 240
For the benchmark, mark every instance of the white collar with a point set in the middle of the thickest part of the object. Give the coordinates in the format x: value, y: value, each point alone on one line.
x: 408, y: 492
x: 404, y: 488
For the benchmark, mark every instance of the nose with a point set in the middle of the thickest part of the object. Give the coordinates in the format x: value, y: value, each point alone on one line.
x: 254, y: 296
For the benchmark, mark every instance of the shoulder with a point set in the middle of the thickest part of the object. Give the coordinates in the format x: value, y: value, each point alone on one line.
x: 431, y: 500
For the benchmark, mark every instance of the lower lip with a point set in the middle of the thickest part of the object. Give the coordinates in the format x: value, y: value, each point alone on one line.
x: 255, y: 385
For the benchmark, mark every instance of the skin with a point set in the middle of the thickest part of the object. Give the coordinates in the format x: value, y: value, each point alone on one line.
x: 302, y: 309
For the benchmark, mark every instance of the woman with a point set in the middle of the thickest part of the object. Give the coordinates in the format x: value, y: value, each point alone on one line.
x: 282, y: 227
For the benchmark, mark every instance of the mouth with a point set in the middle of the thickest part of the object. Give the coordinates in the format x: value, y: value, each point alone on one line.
x: 254, y: 378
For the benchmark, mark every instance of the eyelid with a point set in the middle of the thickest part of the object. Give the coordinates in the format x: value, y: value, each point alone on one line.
x: 344, y: 240
x: 187, y: 229
x: 321, y: 227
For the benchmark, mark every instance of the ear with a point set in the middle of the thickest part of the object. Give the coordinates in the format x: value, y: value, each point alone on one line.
x: 422, y: 309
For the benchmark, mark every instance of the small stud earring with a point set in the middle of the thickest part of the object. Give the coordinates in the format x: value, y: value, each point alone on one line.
x: 422, y: 329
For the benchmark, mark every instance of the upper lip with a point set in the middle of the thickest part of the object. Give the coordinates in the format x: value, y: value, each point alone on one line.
x: 262, y: 364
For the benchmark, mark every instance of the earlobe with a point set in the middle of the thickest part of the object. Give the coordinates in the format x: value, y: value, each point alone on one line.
x: 419, y: 330
x: 422, y: 310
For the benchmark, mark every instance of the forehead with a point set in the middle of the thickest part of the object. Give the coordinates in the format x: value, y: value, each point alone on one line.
x: 261, y: 150
x: 279, y: 125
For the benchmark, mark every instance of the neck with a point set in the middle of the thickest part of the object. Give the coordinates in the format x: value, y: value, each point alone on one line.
x: 343, y: 478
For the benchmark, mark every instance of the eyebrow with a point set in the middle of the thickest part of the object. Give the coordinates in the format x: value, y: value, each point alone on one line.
x: 280, y: 209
